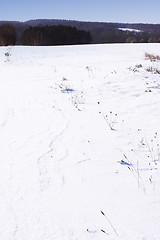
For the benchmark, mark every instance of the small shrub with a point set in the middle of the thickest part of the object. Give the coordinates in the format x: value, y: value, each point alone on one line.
x: 153, y: 70
x: 138, y: 65
x: 7, y: 35
x: 152, y: 57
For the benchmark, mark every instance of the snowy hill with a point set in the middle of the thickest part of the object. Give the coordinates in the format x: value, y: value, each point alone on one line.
x: 79, y: 137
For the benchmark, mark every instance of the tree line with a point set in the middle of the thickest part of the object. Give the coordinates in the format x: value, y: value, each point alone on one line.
x: 8, y: 35
x: 44, y: 36
x: 49, y: 35
x: 54, y: 35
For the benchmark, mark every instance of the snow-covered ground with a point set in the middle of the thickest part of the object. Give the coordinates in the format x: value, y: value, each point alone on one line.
x: 130, y: 30
x: 79, y: 143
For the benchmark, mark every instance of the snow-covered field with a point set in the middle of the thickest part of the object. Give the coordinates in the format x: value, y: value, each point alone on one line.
x: 79, y: 143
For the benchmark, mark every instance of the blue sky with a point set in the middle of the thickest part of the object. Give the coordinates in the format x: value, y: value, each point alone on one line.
x: 137, y: 11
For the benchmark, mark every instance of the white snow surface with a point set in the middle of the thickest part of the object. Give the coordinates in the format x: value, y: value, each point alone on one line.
x: 79, y: 143
x: 130, y: 30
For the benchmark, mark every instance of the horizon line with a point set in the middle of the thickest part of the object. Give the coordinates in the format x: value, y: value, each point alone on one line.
x: 71, y: 20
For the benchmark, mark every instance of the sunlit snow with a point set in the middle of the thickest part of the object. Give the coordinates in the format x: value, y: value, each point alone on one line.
x: 79, y: 143
x: 129, y: 30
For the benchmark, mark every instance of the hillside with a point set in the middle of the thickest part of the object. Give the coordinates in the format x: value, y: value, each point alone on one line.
x: 93, y: 26
x: 101, y: 32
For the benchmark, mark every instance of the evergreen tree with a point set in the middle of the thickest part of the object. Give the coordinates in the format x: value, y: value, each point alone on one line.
x: 54, y: 35
x: 7, y: 35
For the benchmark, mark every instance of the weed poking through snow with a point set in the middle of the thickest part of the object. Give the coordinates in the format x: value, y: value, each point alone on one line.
x: 110, y: 118
x: 151, y: 149
x: 134, y: 169
x: 109, y: 223
x: 147, y: 152
x: 89, y: 71
x: 7, y: 55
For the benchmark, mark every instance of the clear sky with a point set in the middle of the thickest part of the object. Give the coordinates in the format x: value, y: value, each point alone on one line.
x: 126, y: 11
